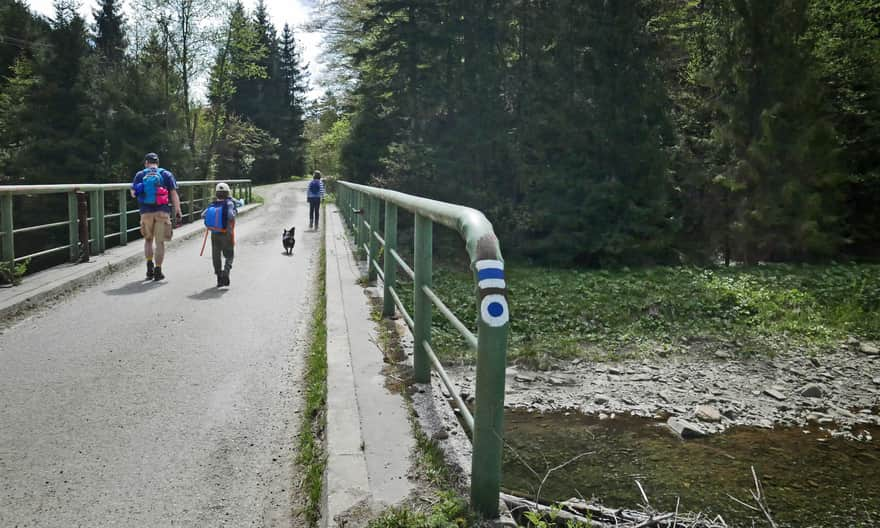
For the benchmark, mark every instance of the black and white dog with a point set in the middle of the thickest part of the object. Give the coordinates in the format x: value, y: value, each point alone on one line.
x: 288, y: 241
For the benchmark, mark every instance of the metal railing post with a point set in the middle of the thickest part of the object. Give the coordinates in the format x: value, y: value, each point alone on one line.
x: 422, y: 304
x: 102, y: 227
x: 362, y: 217
x: 341, y: 192
x: 123, y: 217
x: 349, y: 212
x: 489, y: 412
x: 73, y: 228
x: 7, y: 247
x: 373, y: 242
x: 352, y: 225
x: 191, y: 198
x: 94, y: 232
x: 82, y: 213
x: 389, y: 264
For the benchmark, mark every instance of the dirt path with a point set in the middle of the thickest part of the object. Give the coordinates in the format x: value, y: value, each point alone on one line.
x: 135, y: 403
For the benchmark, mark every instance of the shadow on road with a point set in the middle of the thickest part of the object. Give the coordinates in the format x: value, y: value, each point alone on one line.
x: 133, y: 288
x: 209, y: 293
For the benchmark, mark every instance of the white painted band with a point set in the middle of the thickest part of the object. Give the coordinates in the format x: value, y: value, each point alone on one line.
x: 483, y: 264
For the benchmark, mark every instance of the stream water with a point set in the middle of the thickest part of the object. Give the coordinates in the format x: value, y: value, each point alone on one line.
x: 809, y: 478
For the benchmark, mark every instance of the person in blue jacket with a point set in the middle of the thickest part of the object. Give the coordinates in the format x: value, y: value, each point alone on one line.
x: 314, y: 195
x: 156, y: 191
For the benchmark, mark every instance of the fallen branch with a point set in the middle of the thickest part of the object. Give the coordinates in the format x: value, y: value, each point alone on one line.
x: 589, y: 514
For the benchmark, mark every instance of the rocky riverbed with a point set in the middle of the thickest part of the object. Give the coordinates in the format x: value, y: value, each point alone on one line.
x: 697, y: 395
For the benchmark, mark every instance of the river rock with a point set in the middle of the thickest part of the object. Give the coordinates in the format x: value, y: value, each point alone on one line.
x: 707, y: 413
x: 815, y: 362
x: 876, y: 381
x: 685, y: 429
x: 522, y: 378
x: 600, y: 399
x: 615, y: 371
x: 775, y: 394
x: 869, y: 348
x: 811, y: 391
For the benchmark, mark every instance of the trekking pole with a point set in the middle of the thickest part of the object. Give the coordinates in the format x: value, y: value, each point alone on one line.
x: 205, y: 241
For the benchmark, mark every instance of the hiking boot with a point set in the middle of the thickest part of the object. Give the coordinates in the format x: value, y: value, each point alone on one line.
x: 150, y: 271
x: 310, y: 225
x: 157, y: 273
x: 219, y: 278
x: 226, y: 278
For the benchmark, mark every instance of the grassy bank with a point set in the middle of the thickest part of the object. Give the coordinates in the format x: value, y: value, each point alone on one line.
x: 562, y: 314
x: 311, y: 457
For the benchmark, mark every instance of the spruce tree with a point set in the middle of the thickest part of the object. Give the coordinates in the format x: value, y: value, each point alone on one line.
x: 67, y: 150
x: 291, y: 119
x: 109, y: 32
x: 782, y: 170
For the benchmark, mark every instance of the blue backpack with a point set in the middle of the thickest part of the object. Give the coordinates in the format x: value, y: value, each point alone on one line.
x: 215, y: 216
x: 315, y: 188
x: 154, y: 192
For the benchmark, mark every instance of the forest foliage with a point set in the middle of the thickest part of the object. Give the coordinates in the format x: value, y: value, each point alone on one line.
x: 592, y: 133
x: 598, y: 133
x: 82, y: 101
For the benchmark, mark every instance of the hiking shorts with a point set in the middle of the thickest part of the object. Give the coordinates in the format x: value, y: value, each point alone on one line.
x: 156, y: 226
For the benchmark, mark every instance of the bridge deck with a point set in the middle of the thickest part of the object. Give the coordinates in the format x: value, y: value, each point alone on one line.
x: 136, y: 403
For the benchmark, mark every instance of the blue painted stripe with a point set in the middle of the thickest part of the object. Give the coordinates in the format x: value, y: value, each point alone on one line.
x: 490, y: 273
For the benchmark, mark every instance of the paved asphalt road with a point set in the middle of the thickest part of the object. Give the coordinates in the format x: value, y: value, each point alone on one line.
x: 134, y: 403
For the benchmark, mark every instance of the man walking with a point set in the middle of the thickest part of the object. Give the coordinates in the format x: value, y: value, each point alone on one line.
x: 153, y: 187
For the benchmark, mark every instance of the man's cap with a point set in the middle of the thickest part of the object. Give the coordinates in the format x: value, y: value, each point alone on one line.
x: 152, y: 157
x: 222, y: 187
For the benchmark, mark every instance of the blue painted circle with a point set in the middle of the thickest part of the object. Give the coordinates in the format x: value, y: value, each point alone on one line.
x: 495, y: 309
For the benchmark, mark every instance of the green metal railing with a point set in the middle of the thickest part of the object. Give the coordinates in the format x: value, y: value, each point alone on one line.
x: 361, y: 206
x: 98, y: 215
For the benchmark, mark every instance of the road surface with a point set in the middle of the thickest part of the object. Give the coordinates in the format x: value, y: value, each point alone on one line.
x: 135, y: 403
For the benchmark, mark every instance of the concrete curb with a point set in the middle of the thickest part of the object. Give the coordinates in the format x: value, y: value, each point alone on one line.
x: 369, y: 436
x: 346, y: 483
x: 50, y: 284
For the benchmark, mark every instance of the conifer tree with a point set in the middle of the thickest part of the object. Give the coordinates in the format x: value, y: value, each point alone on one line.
x: 292, y: 114
x: 109, y: 32
x: 67, y: 150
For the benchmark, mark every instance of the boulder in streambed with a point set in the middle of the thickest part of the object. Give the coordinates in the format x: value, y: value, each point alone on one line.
x: 685, y: 429
x: 707, y: 413
x: 812, y: 390
x: 869, y: 348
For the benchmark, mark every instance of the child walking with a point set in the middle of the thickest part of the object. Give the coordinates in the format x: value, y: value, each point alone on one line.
x: 314, y: 195
x: 220, y: 221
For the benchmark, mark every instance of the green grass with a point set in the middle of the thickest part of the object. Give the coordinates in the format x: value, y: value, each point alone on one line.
x: 450, y: 511
x: 563, y: 314
x: 311, y: 457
